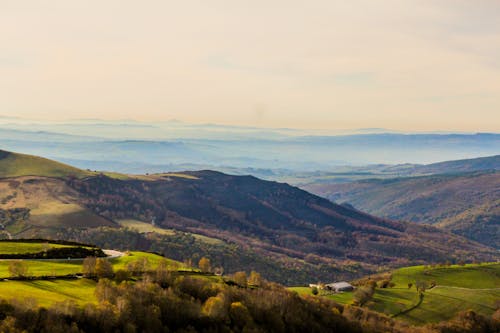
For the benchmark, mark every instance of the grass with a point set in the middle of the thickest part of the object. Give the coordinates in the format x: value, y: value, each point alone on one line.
x: 65, y: 267
x: 341, y: 298
x: 144, y: 227
x: 468, y: 276
x: 47, y: 293
x: 442, y: 303
x: 16, y: 165
x: 458, y: 288
x: 45, y: 267
x: 153, y: 260
x: 147, y: 177
x: 19, y: 247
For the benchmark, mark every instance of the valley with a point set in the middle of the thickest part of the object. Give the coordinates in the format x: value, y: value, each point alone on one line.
x: 288, y: 234
x: 466, y: 203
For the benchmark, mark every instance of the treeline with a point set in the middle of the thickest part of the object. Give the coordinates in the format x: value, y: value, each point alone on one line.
x: 165, y: 302
x: 48, y: 241
x: 57, y: 253
x: 231, y: 257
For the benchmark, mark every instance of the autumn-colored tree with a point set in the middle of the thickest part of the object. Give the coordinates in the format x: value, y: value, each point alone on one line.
x: 205, y: 265
x: 106, y: 291
x: 139, y: 265
x: 103, y: 268
x: 421, y: 286
x: 362, y: 295
x: 162, y: 275
x: 240, y: 278
x: 240, y: 315
x: 89, y: 266
x: 122, y: 275
x: 255, y: 279
x: 215, y: 307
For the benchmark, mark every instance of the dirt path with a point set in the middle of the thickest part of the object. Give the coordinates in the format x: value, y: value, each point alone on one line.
x: 113, y: 254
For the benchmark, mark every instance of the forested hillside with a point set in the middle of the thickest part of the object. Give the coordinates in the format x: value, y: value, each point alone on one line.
x: 465, y: 203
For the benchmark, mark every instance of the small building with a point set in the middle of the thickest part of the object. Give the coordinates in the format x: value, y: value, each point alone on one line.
x: 339, y: 286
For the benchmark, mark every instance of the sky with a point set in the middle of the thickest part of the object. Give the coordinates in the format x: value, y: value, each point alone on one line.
x: 418, y: 65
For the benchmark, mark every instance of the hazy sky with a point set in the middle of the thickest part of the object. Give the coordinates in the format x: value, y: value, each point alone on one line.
x: 411, y: 65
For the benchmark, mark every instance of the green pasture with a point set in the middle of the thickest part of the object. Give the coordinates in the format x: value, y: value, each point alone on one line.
x: 46, y: 293
x: 19, y: 247
x: 458, y: 287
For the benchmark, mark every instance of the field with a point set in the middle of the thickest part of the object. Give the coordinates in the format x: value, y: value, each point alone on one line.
x: 48, y: 292
x: 14, y: 165
x: 458, y: 288
x: 18, y: 247
x: 144, y: 227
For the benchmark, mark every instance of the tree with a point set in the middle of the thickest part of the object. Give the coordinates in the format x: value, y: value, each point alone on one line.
x: 362, y: 295
x: 138, y: 266
x: 421, y: 286
x: 205, y: 265
x: 215, y: 307
x: 240, y: 315
x: 314, y: 290
x: 89, y: 267
x: 240, y: 278
x: 18, y: 268
x: 255, y: 279
x: 162, y: 275
x: 121, y: 275
x: 103, y: 268
x: 105, y: 291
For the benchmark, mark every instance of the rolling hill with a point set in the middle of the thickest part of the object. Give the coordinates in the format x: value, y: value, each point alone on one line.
x: 465, y: 203
x: 456, y: 288
x: 280, y: 227
x: 459, y: 166
x: 15, y: 165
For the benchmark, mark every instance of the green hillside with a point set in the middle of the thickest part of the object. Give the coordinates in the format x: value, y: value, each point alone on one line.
x: 457, y: 288
x: 16, y: 165
x: 48, y: 292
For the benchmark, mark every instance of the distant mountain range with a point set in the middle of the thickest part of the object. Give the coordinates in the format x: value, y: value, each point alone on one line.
x: 281, y: 223
x: 170, y: 146
x: 460, y: 196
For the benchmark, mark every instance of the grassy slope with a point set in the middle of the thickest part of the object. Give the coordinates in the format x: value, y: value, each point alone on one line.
x: 63, y: 267
x: 16, y: 165
x: 144, y: 227
x: 17, y: 247
x: 459, y: 288
x: 49, y: 292
x: 51, y: 204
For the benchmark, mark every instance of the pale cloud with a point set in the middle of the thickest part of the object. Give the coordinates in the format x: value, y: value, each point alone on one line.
x: 413, y: 65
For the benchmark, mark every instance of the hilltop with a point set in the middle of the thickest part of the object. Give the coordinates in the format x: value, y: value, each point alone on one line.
x: 16, y: 165
x: 461, y: 166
